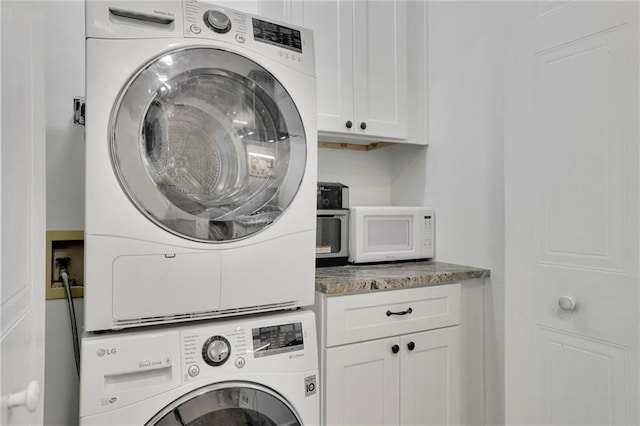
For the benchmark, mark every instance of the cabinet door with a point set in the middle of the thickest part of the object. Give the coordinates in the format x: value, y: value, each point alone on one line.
x: 279, y: 10
x: 430, y: 377
x: 380, y: 68
x: 331, y: 22
x: 362, y: 384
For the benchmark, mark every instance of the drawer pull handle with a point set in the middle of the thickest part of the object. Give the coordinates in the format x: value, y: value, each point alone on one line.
x: 395, y: 349
x: 408, y: 311
x: 411, y: 346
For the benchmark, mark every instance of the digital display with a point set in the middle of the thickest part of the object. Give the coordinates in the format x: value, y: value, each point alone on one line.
x: 268, y: 32
x: 277, y: 339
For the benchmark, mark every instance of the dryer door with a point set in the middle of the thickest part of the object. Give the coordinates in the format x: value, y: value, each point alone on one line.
x: 208, y: 144
x: 228, y: 404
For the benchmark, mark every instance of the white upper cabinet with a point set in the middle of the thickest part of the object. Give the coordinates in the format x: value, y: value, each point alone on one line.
x: 279, y: 10
x: 361, y: 57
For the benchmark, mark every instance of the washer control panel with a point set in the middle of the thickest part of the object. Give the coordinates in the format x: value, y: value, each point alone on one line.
x: 283, y: 342
x: 204, y: 350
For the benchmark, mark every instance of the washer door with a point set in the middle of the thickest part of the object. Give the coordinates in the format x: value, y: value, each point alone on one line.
x: 228, y: 404
x: 208, y: 144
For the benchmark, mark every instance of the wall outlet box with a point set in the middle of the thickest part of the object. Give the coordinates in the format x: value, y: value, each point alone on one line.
x: 63, y: 244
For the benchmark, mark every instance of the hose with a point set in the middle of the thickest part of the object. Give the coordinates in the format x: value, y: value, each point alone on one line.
x: 72, y: 318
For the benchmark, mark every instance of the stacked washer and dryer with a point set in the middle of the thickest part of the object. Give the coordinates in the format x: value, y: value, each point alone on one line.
x: 200, y: 217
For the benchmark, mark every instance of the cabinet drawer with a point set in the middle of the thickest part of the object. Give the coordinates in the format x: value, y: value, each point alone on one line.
x: 368, y: 316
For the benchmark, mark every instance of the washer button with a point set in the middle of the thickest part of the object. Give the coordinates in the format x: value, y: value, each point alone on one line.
x: 240, y: 38
x: 195, y: 29
x: 193, y: 370
x: 240, y: 362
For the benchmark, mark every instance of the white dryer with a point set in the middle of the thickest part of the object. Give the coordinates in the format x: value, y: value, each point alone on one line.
x: 200, y: 163
x: 257, y: 370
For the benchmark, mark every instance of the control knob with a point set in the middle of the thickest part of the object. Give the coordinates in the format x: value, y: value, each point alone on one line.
x: 217, y: 20
x: 216, y: 351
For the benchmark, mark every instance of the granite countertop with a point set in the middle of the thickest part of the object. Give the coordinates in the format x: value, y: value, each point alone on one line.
x: 347, y: 279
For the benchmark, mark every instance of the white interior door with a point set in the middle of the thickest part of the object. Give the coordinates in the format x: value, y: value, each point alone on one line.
x: 22, y: 230
x: 571, y: 194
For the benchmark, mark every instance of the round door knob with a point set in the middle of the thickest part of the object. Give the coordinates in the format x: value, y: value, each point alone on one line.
x: 28, y: 398
x: 363, y: 125
x: 216, y: 351
x: 348, y: 124
x: 567, y: 303
x: 218, y: 21
x: 411, y: 346
x: 395, y: 349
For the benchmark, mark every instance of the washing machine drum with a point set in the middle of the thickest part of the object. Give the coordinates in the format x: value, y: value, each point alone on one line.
x: 228, y: 404
x: 208, y: 144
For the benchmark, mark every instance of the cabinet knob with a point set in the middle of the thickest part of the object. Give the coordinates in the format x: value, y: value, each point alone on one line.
x: 363, y: 125
x: 567, y: 303
x: 395, y: 349
x: 348, y: 124
x: 411, y: 346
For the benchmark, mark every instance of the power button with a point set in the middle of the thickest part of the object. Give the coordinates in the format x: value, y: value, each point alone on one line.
x: 240, y: 38
x: 240, y: 362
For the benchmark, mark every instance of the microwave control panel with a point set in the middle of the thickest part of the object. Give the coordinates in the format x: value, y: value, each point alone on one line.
x: 428, y: 234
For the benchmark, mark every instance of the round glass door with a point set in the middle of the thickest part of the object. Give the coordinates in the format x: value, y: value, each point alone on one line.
x: 208, y: 144
x: 228, y: 404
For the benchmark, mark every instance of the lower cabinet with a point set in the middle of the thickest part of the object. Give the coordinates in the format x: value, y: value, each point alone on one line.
x: 409, y: 380
x: 430, y: 378
x: 391, y: 358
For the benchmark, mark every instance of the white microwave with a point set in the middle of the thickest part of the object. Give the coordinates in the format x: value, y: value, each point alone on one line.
x: 383, y: 234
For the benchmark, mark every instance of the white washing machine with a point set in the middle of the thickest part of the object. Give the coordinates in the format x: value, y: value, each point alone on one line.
x: 200, y: 163
x: 257, y: 370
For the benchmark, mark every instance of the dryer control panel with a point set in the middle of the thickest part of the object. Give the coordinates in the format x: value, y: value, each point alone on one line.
x: 283, y: 42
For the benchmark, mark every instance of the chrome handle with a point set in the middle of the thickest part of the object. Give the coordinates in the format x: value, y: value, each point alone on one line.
x: 567, y: 303
x: 28, y: 398
x: 140, y: 16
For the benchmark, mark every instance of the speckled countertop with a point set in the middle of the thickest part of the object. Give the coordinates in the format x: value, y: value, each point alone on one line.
x: 336, y: 280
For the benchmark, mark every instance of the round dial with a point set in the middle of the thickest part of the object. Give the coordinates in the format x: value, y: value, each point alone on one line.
x: 216, y: 351
x: 217, y: 20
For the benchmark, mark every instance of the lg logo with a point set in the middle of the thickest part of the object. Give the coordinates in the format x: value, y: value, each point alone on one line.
x: 102, y: 352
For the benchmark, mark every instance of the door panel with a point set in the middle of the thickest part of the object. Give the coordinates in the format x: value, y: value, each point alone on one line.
x: 579, y: 111
x: 583, y: 381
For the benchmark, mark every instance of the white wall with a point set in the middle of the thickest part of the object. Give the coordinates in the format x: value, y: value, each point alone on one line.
x: 64, y: 62
x: 365, y: 173
x: 464, y: 173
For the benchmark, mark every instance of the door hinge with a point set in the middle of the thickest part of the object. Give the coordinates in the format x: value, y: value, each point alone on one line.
x: 78, y: 110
